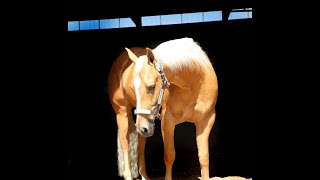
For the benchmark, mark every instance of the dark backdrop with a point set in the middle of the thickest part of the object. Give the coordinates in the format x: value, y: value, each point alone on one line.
x: 92, y: 127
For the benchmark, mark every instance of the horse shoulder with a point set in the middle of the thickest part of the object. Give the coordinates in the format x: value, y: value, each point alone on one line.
x: 115, y: 89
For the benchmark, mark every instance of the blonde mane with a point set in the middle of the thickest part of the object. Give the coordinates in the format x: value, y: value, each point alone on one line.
x: 181, y: 53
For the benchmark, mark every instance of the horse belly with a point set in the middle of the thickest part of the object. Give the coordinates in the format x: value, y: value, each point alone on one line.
x: 190, y: 109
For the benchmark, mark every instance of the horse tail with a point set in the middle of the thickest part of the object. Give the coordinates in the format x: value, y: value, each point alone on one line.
x: 120, y: 157
x: 133, y: 154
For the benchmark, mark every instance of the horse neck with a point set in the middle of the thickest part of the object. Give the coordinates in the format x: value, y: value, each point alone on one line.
x: 184, y: 78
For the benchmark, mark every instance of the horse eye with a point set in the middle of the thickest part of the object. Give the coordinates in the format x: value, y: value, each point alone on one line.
x: 151, y: 88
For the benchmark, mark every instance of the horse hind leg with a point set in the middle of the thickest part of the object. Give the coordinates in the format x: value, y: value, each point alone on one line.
x: 203, y: 129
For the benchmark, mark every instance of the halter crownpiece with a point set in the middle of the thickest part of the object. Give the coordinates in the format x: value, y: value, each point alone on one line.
x: 165, y: 81
x: 159, y: 68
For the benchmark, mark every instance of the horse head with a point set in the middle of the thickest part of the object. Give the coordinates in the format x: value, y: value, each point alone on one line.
x: 148, y: 84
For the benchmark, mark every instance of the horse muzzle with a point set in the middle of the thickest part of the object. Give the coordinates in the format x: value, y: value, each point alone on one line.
x: 146, y: 129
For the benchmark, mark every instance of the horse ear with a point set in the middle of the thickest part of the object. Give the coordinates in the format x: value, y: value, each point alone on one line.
x: 132, y: 56
x: 150, y: 55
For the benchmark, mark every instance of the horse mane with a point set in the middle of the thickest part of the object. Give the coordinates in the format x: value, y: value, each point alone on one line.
x: 181, y: 53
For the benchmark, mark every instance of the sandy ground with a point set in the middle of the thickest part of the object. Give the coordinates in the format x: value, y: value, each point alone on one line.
x: 198, y: 178
x: 230, y: 178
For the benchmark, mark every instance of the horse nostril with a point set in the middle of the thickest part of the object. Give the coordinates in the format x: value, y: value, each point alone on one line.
x: 144, y: 130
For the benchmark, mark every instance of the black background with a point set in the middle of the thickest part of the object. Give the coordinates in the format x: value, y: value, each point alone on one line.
x: 91, y: 120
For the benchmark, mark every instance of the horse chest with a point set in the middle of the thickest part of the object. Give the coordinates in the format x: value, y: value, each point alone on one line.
x: 180, y: 109
x: 130, y: 96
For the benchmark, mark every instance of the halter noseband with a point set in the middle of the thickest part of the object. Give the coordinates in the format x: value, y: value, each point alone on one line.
x: 165, y: 81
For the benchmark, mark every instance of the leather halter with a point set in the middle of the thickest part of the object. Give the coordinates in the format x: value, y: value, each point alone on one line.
x: 165, y: 81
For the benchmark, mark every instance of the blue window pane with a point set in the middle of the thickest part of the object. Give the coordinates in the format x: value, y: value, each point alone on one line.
x: 150, y: 20
x: 212, y: 16
x: 89, y: 24
x: 242, y: 9
x: 73, y: 26
x: 192, y: 17
x: 171, y: 19
x: 109, y: 23
x: 127, y: 22
x: 250, y: 14
x: 238, y: 15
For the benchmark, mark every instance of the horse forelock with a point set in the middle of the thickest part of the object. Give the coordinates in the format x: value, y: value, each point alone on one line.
x: 139, y: 64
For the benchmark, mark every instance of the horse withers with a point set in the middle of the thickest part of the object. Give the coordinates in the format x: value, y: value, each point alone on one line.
x: 174, y: 82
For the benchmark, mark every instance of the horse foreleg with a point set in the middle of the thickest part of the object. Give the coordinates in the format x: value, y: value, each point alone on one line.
x: 124, y: 162
x: 203, y: 129
x: 142, y: 163
x: 167, y: 128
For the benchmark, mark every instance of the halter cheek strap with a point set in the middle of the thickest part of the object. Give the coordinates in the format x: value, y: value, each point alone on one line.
x: 165, y: 81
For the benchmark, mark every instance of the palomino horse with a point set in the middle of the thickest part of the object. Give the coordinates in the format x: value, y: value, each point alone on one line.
x: 176, y: 76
